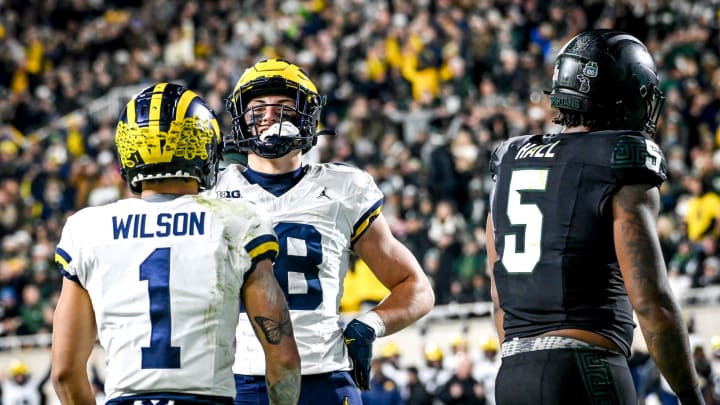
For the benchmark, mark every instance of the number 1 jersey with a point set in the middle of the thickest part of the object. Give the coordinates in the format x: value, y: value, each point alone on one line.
x: 551, y: 209
x: 164, y: 278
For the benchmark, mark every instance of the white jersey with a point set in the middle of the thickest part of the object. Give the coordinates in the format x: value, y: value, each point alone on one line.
x: 164, y: 278
x: 25, y: 394
x: 316, y: 222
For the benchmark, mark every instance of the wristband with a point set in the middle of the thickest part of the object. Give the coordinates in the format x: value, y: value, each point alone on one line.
x: 373, y: 320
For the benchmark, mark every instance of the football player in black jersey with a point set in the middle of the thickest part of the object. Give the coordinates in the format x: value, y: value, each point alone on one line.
x: 572, y: 240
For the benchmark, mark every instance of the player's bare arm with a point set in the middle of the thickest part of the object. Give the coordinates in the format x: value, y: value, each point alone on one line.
x: 498, y: 312
x: 268, y: 309
x: 411, y: 295
x: 635, y: 210
x: 274, y: 330
x: 74, y: 334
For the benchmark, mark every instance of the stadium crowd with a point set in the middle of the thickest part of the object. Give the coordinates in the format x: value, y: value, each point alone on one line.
x: 419, y: 91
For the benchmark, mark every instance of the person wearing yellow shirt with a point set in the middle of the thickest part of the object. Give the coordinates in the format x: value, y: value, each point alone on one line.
x: 703, y: 209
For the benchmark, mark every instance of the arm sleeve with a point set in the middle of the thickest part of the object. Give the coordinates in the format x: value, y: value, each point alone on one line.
x: 67, y: 253
x: 261, y: 240
x: 367, y: 201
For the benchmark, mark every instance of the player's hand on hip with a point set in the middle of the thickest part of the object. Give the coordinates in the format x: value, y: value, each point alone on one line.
x: 359, y: 338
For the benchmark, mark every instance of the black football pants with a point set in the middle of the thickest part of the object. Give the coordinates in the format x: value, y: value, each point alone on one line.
x: 565, y: 376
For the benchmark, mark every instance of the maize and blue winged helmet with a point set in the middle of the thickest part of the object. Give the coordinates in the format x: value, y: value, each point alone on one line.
x: 275, y: 77
x: 167, y: 131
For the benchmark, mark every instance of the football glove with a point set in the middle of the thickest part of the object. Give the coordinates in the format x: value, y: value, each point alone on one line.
x: 359, y: 338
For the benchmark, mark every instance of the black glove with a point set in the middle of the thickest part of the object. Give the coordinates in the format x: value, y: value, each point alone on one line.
x: 359, y: 338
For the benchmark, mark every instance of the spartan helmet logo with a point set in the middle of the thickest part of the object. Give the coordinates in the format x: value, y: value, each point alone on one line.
x: 590, y: 69
x: 584, y: 83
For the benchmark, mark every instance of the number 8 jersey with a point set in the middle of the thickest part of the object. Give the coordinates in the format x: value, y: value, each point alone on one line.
x: 164, y: 278
x: 317, y: 221
x: 552, y: 213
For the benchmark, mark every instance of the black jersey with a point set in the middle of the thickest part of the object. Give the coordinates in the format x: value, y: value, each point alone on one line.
x: 556, y: 266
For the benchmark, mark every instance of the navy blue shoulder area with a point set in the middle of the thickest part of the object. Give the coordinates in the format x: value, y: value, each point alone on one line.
x: 503, y: 147
x: 631, y: 157
x: 628, y: 157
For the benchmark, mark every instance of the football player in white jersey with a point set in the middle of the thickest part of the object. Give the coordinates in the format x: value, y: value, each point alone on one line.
x: 321, y: 213
x: 159, y: 279
x: 22, y: 387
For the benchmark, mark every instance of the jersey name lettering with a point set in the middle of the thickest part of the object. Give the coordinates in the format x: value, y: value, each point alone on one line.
x: 166, y: 224
x: 536, y: 150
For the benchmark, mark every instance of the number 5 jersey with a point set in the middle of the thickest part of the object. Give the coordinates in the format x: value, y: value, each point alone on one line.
x: 552, y: 213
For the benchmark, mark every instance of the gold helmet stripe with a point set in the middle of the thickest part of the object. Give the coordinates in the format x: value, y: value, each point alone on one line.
x: 156, y: 107
x: 187, y: 97
x: 279, y: 68
x: 184, y: 103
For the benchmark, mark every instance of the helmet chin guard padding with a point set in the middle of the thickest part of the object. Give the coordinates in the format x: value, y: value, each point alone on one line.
x: 608, y: 76
x: 275, y: 77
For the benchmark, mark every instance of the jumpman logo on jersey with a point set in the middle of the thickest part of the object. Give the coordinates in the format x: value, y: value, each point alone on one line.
x: 153, y: 402
x: 323, y: 193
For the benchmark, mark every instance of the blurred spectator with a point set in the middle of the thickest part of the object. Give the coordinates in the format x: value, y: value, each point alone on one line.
x: 31, y: 312
x: 685, y: 259
x: 710, y: 271
x: 446, y: 232
x: 669, y: 236
x: 10, y: 316
x: 22, y: 387
x: 704, y: 372
x: 459, y: 348
x: 486, y: 364
x: 11, y: 214
x: 9, y: 162
x: 433, y: 375
x: 462, y: 388
x: 458, y: 293
x: 390, y: 365
x: 417, y: 394
x: 468, y: 265
x: 705, y: 272
x: 481, y: 288
x: 383, y: 390
x: 703, y: 209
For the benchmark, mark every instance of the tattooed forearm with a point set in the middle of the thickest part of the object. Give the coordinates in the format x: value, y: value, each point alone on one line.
x: 286, y: 390
x: 275, y: 330
x: 658, y: 313
x: 641, y: 257
x: 641, y: 262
